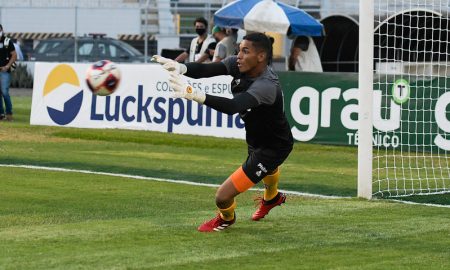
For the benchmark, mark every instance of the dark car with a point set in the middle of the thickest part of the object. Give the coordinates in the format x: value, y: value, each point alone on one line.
x: 90, y: 49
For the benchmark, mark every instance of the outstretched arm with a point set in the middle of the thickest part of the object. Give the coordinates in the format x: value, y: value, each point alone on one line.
x: 193, y: 70
x: 197, y: 70
x: 239, y: 103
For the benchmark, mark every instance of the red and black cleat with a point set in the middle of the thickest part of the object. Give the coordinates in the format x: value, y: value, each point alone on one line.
x: 265, y: 207
x: 216, y: 224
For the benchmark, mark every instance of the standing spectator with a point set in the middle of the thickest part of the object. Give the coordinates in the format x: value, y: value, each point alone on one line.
x: 7, y: 58
x: 238, y: 35
x: 199, y: 44
x: 225, y: 44
x: 304, y: 55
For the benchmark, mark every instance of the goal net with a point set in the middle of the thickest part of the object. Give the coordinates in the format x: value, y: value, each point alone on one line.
x: 411, y: 98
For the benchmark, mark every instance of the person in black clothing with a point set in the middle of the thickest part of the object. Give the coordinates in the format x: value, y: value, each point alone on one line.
x: 258, y: 98
x: 7, y: 58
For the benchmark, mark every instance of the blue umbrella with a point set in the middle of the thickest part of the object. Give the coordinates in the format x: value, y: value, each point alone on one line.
x: 267, y: 16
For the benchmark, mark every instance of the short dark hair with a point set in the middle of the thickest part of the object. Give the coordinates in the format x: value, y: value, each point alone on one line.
x: 201, y: 20
x: 261, y: 42
x: 1, y: 27
x: 212, y: 46
x: 302, y: 42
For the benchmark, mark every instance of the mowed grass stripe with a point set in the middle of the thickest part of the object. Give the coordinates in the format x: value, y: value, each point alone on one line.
x: 55, y: 220
x: 32, y: 167
x: 316, y: 169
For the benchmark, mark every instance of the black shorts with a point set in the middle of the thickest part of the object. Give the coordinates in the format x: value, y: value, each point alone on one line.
x: 263, y: 161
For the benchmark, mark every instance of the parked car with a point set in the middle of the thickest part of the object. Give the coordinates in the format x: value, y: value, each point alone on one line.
x: 90, y: 49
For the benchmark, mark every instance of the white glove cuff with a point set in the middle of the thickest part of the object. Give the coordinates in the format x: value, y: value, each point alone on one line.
x: 196, y: 95
x: 183, y: 69
x: 200, y: 97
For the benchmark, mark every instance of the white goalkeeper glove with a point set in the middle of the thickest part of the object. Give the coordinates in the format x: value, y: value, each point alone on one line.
x: 184, y: 90
x: 169, y: 64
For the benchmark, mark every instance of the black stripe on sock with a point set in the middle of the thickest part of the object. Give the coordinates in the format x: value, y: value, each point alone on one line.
x: 273, y: 200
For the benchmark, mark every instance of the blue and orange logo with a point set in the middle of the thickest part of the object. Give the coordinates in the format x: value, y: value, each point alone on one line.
x: 61, y: 82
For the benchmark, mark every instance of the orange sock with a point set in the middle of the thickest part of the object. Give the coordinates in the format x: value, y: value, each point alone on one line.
x: 271, y: 185
x: 228, y: 213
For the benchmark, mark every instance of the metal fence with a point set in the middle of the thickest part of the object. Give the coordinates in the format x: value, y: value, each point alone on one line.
x: 70, y: 3
x: 147, y: 20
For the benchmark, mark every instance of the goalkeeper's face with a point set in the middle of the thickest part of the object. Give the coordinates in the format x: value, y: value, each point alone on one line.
x: 249, y: 57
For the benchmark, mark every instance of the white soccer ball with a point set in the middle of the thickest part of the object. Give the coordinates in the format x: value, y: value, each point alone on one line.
x: 103, y: 78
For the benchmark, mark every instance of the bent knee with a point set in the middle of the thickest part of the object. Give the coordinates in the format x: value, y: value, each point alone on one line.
x: 222, y: 199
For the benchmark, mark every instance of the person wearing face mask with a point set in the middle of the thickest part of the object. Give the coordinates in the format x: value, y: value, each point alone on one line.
x: 225, y: 44
x: 7, y: 58
x: 199, y: 44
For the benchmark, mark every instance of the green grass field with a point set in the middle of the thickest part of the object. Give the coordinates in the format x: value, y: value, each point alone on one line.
x: 69, y: 220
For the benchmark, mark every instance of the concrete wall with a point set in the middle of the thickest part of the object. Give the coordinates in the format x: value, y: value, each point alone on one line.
x: 110, y: 21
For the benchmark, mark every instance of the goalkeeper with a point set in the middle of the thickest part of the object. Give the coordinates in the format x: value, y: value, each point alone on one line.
x: 258, y: 98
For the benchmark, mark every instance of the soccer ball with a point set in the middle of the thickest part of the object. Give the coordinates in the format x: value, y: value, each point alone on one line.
x: 103, y: 78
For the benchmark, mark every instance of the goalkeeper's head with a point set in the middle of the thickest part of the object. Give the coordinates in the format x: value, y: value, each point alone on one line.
x: 262, y: 43
x: 255, y: 53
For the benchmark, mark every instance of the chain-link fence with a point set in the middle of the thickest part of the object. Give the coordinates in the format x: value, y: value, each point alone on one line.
x: 149, y: 26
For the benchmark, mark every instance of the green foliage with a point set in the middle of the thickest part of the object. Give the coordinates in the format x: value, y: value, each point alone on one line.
x: 21, y: 78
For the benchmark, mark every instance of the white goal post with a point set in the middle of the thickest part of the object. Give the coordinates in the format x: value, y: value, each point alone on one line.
x: 404, y: 98
x: 365, y: 86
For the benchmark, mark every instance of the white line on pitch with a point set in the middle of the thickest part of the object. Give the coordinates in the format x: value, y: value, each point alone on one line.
x: 161, y: 179
x: 416, y: 203
x: 197, y: 184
